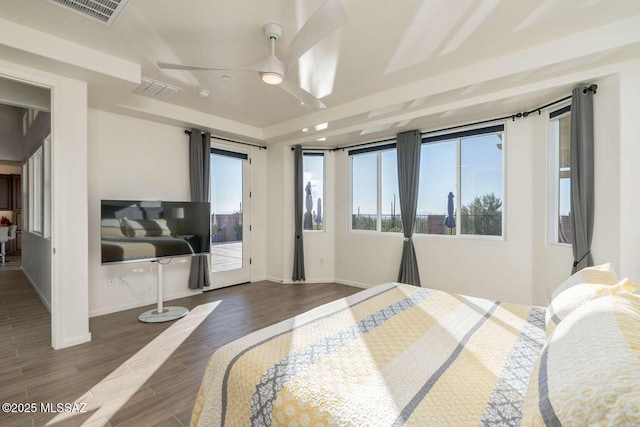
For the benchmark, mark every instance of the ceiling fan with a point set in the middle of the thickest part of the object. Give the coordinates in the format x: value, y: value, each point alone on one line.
x: 328, y: 18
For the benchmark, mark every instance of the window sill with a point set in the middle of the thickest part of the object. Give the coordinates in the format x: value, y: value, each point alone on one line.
x: 561, y: 245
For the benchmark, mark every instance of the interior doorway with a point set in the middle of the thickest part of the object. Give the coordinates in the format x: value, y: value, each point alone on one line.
x: 25, y: 183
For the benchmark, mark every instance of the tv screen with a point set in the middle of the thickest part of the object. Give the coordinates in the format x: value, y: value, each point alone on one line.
x: 150, y: 230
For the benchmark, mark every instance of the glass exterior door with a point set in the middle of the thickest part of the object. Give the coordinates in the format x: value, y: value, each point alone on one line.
x: 230, y: 263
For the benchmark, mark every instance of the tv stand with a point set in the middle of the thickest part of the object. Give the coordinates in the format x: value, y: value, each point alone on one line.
x: 162, y: 314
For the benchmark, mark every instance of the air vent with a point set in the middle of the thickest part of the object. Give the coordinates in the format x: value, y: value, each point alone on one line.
x: 156, y: 88
x: 105, y: 11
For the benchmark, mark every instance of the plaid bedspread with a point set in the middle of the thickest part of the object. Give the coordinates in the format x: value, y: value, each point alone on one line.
x: 388, y: 356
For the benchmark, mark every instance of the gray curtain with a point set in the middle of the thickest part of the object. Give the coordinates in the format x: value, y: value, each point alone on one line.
x: 582, y: 176
x: 298, y: 249
x: 199, y: 177
x: 408, y: 148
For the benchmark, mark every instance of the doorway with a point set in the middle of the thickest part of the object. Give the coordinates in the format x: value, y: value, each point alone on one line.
x: 230, y: 211
x: 68, y: 243
x: 25, y: 183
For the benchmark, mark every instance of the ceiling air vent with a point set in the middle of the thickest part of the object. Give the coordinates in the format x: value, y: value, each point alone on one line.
x: 105, y: 11
x: 156, y: 88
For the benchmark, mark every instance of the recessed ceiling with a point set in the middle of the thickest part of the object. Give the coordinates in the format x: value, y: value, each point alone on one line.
x: 392, y: 65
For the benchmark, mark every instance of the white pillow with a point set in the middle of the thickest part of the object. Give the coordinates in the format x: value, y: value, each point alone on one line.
x: 602, y: 274
x: 572, y: 298
x: 588, y: 372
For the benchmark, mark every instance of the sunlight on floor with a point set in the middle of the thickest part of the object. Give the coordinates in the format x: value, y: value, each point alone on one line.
x: 107, y: 397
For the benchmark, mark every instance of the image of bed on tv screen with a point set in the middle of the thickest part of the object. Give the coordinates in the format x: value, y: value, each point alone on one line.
x: 150, y: 230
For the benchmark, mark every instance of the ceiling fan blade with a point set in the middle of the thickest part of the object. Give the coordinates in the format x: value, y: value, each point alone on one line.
x: 328, y: 18
x: 166, y: 66
x: 259, y: 66
x: 302, y: 95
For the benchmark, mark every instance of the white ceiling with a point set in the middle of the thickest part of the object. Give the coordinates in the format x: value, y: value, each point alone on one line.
x: 395, y: 65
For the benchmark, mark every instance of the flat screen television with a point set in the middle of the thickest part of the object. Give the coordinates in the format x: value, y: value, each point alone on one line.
x: 137, y: 230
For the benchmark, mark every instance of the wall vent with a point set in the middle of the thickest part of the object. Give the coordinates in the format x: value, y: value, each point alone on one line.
x: 105, y: 11
x: 156, y: 88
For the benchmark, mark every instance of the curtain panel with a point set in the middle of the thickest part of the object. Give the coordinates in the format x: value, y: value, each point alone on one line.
x: 582, y: 176
x: 199, y: 178
x: 408, y: 150
x: 298, y: 248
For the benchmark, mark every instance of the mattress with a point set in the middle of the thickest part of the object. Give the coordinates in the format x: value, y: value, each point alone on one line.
x: 387, y: 356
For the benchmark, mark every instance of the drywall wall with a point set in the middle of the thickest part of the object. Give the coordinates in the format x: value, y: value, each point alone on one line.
x: 135, y: 159
x: 10, y: 133
x: 629, y: 172
x: 36, y: 247
x: 36, y: 133
x: 319, y: 247
x: 520, y: 268
x: 493, y: 268
x: 276, y: 210
x: 523, y: 266
x: 15, y: 92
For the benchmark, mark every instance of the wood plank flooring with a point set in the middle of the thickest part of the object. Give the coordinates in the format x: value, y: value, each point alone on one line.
x: 131, y: 373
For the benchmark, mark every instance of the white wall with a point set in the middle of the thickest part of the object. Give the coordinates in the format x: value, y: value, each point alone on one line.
x: 135, y: 159
x: 36, y: 248
x: 319, y: 247
x: 276, y: 212
x: 629, y: 172
x: 10, y: 133
x: 519, y: 268
x: 496, y: 269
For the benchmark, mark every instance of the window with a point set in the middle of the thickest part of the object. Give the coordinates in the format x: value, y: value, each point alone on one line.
x: 466, y: 166
x: 313, y: 180
x: 481, y: 185
x: 560, y: 176
x: 364, y: 187
x: 36, y: 196
x: 438, y: 178
x: 375, y: 200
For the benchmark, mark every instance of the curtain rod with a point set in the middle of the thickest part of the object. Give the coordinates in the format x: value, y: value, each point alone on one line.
x: 591, y: 88
x: 188, y: 132
x: 314, y: 149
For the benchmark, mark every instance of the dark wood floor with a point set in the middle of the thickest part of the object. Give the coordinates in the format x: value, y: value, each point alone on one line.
x: 131, y: 373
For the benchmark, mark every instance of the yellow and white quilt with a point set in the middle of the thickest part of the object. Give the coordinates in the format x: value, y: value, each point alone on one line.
x: 388, y: 356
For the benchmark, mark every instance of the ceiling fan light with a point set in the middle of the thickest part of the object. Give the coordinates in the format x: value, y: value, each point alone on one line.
x: 271, y: 78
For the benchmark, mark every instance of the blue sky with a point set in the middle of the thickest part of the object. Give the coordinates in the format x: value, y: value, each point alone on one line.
x: 226, y: 184
x: 481, y: 173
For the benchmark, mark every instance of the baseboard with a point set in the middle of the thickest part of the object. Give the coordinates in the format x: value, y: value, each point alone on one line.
x: 136, y: 304
x: 328, y: 280
x: 259, y: 279
x: 356, y: 284
x: 37, y: 290
x: 308, y: 281
x: 74, y: 341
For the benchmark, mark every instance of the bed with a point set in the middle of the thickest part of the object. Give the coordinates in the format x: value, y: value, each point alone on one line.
x: 398, y: 355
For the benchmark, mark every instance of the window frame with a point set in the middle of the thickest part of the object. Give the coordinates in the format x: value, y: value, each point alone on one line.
x: 312, y: 153
x: 36, y: 162
x: 439, y: 137
x: 378, y: 149
x: 553, y: 174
